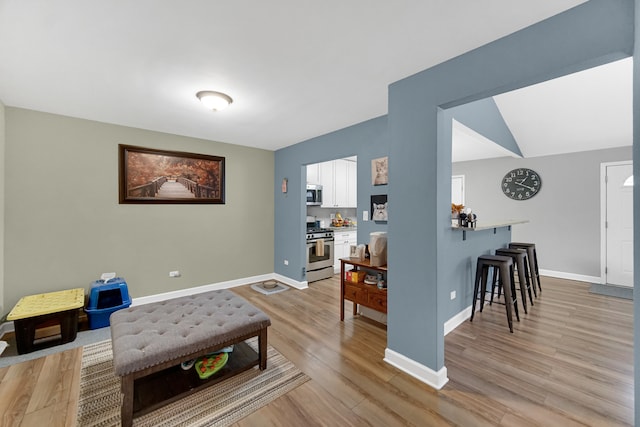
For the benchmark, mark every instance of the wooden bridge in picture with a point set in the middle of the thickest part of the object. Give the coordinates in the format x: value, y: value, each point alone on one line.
x: 171, y: 187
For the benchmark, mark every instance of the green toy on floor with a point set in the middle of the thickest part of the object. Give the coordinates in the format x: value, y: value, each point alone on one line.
x: 209, y: 364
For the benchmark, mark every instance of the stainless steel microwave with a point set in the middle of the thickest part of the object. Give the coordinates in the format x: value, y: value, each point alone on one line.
x: 314, y: 195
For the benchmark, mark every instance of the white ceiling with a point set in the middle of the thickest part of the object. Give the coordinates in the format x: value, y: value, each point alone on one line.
x: 295, y: 69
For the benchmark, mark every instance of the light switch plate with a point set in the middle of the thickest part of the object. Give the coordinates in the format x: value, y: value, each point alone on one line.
x: 365, y: 215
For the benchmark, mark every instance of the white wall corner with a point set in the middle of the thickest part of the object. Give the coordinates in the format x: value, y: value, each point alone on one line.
x: 422, y: 373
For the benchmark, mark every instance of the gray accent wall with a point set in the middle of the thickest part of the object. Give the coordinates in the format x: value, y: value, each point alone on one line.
x: 367, y: 140
x: 64, y: 225
x: 2, y: 172
x: 591, y: 34
x: 564, y: 217
x: 426, y: 258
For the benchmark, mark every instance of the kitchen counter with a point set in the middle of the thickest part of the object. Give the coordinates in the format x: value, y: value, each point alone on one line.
x: 343, y: 228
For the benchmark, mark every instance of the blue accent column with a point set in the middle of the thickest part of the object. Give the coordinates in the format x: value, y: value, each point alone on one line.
x: 421, y: 257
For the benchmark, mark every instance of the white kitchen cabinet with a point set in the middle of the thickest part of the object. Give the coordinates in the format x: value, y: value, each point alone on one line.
x: 313, y: 174
x: 328, y: 183
x: 352, y: 184
x: 342, y: 246
x: 339, y: 183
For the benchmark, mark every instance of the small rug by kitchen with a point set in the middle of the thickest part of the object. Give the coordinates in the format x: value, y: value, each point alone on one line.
x: 221, y: 404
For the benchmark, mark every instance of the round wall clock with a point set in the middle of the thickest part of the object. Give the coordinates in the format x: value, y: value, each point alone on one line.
x: 521, y: 184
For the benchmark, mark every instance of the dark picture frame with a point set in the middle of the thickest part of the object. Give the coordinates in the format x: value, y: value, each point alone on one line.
x: 379, y: 208
x: 151, y: 176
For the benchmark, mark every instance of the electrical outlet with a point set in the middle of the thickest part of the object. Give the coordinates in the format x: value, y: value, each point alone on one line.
x: 453, y: 294
x: 365, y: 215
x: 175, y: 273
x: 286, y: 262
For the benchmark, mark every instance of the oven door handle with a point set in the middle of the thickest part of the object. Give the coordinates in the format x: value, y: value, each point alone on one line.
x: 315, y: 240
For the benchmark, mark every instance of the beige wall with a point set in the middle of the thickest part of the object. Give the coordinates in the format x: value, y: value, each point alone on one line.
x: 64, y: 226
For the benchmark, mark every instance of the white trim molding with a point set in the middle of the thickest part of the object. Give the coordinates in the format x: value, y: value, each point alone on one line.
x: 216, y: 286
x: 422, y: 373
x: 293, y: 283
x: 457, y: 320
x: 571, y: 276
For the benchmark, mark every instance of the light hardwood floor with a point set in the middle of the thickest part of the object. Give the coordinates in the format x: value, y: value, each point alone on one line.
x: 568, y: 363
x: 41, y: 392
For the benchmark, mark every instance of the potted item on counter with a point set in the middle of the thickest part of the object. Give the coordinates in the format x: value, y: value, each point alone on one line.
x: 337, y: 221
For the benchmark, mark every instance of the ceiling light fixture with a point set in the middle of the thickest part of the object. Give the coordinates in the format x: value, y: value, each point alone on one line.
x: 215, y: 101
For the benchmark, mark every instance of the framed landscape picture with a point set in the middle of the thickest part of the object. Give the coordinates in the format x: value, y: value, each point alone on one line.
x: 147, y: 175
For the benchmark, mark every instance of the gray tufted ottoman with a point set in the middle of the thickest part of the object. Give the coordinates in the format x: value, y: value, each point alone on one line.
x: 150, y: 341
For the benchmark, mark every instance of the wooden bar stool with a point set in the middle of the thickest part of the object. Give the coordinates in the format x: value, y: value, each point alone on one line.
x: 503, y: 271
x: 519, y: 257
x: 533, y: 261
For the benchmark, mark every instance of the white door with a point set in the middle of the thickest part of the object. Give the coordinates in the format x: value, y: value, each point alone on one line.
x: 457, y: 189
x: 619, y: 224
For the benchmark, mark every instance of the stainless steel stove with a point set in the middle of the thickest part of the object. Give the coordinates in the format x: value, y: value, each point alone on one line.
x: 320, y: 255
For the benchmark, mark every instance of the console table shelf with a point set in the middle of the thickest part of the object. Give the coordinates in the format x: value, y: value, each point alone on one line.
x: 360, y: 292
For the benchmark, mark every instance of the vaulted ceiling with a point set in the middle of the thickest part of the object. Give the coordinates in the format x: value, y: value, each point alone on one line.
x: 584, y: 111
x: 294, y: 69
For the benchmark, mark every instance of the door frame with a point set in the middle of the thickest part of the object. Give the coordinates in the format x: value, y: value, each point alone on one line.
x: 603, y: 216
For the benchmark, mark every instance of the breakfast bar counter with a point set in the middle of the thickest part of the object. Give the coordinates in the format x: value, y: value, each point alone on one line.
x: 489, y: 225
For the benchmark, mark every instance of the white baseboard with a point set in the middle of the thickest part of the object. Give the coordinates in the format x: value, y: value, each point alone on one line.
x: 422, y: 373
x: 571, y: 276
x: 293, y: 283
x: 199, y: 289
x: 457, y: 320
x: 216, y: 286
x: 373, y: 314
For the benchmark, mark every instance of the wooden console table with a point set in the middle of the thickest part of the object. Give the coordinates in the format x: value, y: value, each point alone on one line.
x: 360, y: 292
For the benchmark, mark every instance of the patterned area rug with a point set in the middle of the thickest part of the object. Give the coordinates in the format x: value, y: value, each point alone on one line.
x: 221, y: 404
